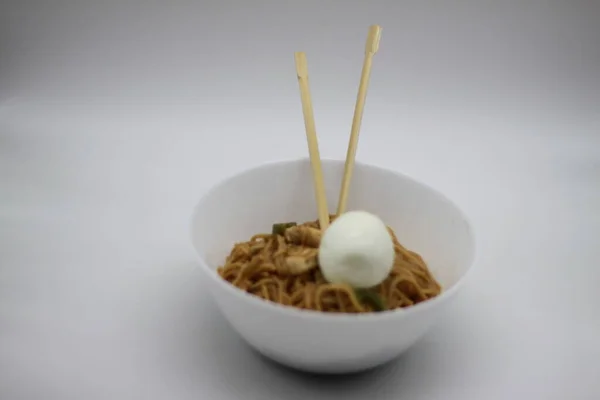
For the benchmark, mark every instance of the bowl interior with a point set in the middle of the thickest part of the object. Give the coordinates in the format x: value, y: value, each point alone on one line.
x: 424, y: 220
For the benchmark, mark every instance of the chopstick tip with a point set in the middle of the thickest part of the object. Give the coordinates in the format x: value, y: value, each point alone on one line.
x: 301, y: 64
x: 373, y: 39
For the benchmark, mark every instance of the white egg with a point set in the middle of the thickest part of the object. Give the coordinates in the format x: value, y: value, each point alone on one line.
x: 356, y: 249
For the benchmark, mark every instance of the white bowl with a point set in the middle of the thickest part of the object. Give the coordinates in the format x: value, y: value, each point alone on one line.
x: 248, y: 203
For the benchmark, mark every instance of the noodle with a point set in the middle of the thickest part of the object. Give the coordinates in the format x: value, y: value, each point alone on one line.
x: 284, y: 269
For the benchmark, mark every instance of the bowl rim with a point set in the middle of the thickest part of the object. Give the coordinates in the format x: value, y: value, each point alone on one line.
x: 291, y: 311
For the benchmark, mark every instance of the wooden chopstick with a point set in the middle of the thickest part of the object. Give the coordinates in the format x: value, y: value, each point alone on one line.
x: 371, y: 48
x: 311, y: 136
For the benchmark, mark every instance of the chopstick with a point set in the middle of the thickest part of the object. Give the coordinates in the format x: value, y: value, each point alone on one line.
x: 371, y: 48
x: 311, y: 136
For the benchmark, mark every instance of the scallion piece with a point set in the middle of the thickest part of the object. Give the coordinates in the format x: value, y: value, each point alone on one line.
x: 279, y: 229
x: 371, y: 297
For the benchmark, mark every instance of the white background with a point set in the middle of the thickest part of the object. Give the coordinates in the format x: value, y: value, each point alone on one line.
x: 116, y: 116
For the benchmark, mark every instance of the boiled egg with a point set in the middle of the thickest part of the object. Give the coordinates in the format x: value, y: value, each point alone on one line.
x: 356, y: 249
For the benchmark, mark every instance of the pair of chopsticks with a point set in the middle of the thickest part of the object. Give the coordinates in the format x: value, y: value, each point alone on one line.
x: 371, y: 48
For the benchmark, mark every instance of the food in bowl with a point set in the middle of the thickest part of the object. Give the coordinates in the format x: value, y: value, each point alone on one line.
x: 286, y: 267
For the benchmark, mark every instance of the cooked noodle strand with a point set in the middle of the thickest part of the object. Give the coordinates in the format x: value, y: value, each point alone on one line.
x: 282, y: 269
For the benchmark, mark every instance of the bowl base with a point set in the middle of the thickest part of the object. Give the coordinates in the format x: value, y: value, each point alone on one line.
x: 329, y: 368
